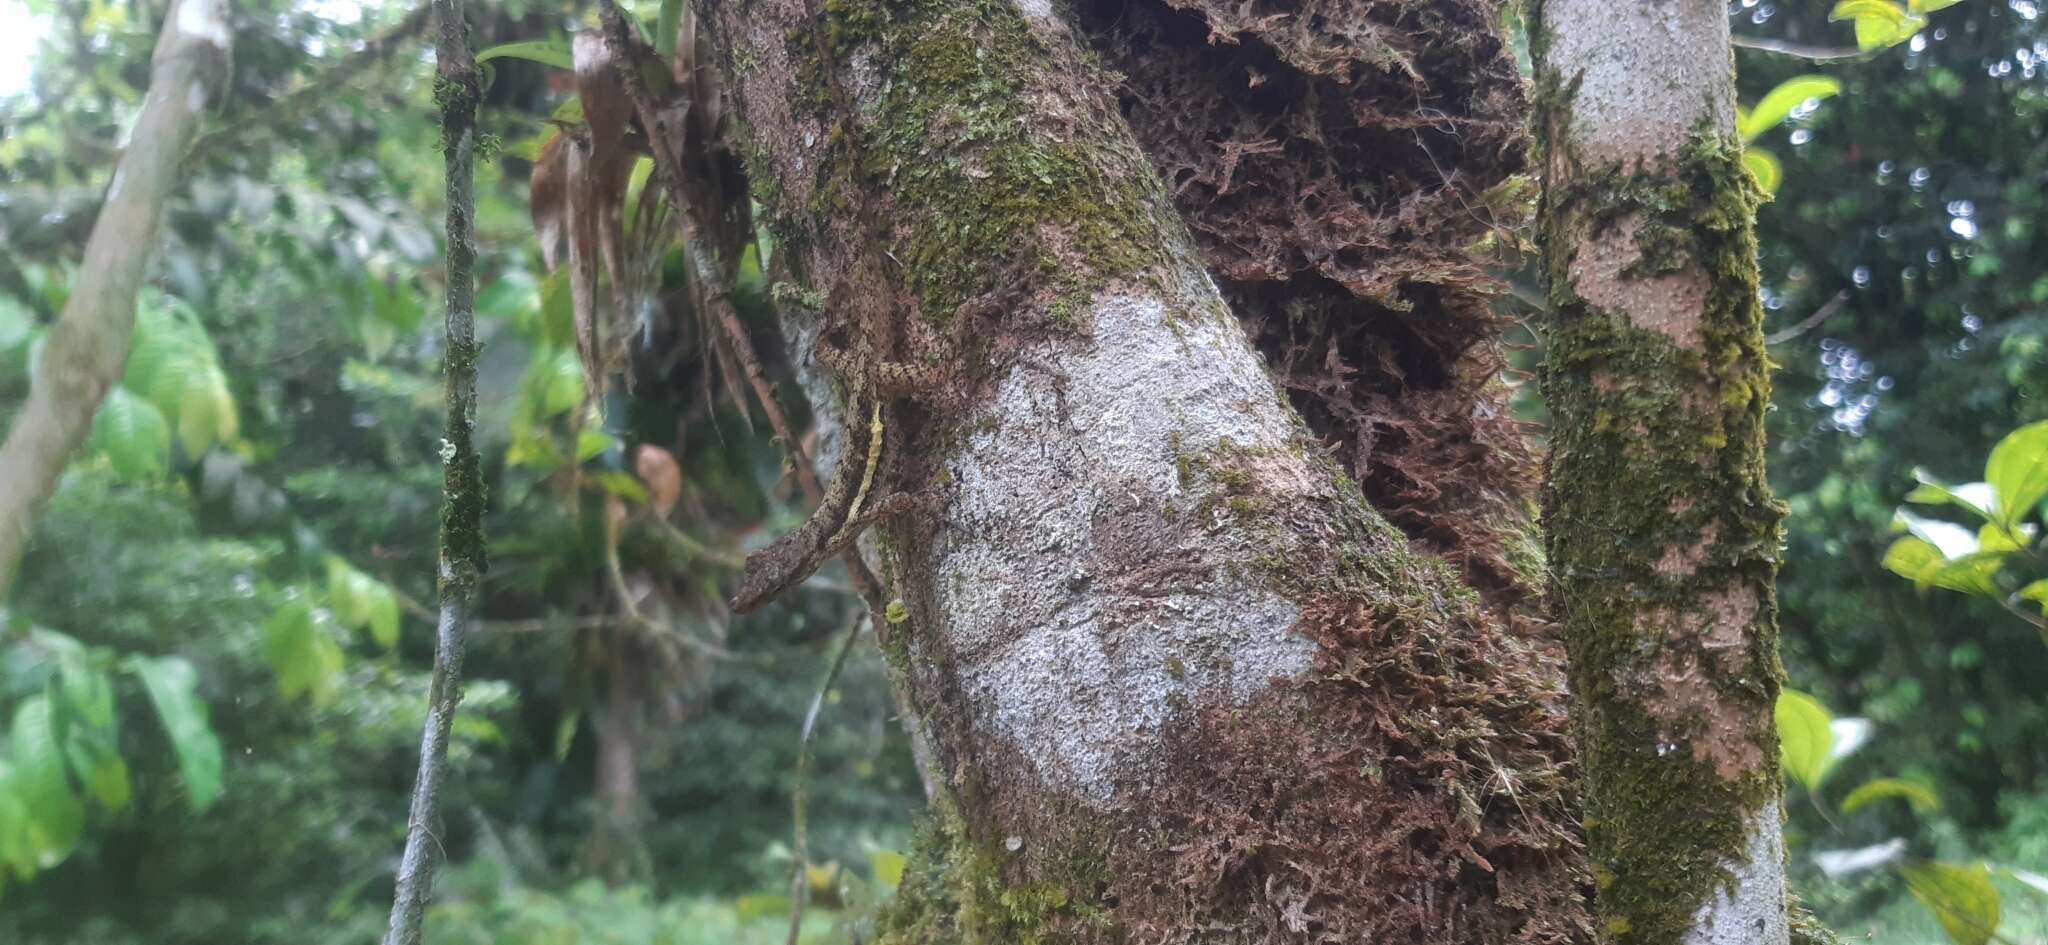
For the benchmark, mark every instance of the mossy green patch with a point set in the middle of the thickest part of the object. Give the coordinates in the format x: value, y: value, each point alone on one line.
x: 955, y: 892
x: 1657, y: 501
x: 981, y: 193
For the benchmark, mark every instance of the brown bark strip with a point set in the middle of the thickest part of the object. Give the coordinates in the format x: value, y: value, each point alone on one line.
x: 86, y: 349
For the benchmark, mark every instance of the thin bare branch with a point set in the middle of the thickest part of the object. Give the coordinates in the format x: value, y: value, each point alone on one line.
x: 1826, y: 311
x: 462, y: 544
x: 1802, y: 50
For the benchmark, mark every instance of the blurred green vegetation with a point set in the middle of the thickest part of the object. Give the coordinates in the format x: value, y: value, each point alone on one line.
x: 259, y: 502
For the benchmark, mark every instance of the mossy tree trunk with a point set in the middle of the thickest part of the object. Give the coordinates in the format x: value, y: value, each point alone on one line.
x: 1663, y: 535
x: 1181, y: 680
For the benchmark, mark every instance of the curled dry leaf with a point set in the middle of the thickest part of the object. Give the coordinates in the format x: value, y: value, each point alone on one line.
x: 664, y: 478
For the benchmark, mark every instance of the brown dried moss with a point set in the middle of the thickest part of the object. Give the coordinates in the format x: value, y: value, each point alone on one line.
x: 1334, y: 159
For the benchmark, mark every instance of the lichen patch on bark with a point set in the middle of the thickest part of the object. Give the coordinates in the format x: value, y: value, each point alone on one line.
x: 1081, y: 615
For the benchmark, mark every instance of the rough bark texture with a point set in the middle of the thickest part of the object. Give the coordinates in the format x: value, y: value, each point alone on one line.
x: 88, y: 345
x: 1183, y: 683
x: 1336, y: 162
x: 1663, y: 534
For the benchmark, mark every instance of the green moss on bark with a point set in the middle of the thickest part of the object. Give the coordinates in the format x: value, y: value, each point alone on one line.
x: 983, y: 197
x: 955, y: 892
x: 1664, y: 537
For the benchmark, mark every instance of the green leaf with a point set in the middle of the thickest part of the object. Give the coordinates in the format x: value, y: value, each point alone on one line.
x: 547, y: 52
x: 1764, y: 166
x: 173, y: 688
x: 590, y: 442
x: 2018, y: 472
x: 384, y: 621
x: 558, y: 377
x: 1971, y: 574
x: 361, y: 602
x: 2036, y: 592
x: 1978, y: 497
x: 1916, y: 796
x: 206, y: 412
x: 1929, y: 6
x: 1952, y: 540
x: 1879, y: 23
x: 1914, y: 559
x: 1805, y: 739
x: 670, y: 20
x: 887, y: 868
x: 1961, y: 897
x: 56, y: 817
x: 133, y: 435
x: 300, y: 655
x: 620, y: 484
x: 1778, y: 103
x: 565, y: 734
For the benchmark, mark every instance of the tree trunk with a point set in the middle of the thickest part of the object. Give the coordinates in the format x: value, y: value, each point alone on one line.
x: 1182, y: 681
x: 1663, y: 534
x: 87, y: 347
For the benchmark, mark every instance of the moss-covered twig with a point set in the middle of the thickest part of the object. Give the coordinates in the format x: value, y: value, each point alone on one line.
x: 462, y: 545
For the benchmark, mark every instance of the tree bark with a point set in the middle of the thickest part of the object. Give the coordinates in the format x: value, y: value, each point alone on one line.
x: 1663, y: 534
x: 86, y: 348
x: 1182, y: 681
x: 457, y: 89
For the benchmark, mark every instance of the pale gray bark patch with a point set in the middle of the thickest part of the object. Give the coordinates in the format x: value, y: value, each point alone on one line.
x: 1088, y: 599
x: 1648, y: 74
x: 1750, y: 910
x: 206, y: 20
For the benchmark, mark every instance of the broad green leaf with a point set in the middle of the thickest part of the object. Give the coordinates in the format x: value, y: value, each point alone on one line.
x: 133, y: 435
x: 1975, y: 496
x: 2036, y: 592
x: 173, y: 688
x: 1805, y: 739
x: 1916, y: 796
x: 107, y: 783
x: 2018, y: 472
x: 591, y: 442
x: 549, y: 52
x: 887, y: 867
x: 1997, y: 539
x: 1929, y: 6
x: 361, y: 602
x: 1779, y: 102
x: 206, y: 412
x: 1961, y: 897
x: 559, y: 380
x: 1879, y: 23
x: 1952, y: 540
x: 301, y: 656
x: 384, y: 620
x: 1971, y: 574
x: 1764, y: 166
x: 56, y: 816
x: 620, y: 484
x: 1914, y: 559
